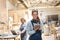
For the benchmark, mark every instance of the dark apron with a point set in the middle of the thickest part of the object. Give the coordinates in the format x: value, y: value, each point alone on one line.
x: 36, y: 35
x: 23, y: 34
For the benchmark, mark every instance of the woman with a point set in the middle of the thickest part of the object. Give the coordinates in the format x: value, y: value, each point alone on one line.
x: 34, y: 31
x: 23, y: 29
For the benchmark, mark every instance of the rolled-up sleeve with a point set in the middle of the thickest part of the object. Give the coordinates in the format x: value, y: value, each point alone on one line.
x: 41, y: 25
x: 30, y: 31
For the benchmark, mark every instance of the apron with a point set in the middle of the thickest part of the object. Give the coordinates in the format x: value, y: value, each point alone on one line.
x: 23, y: 34
x: 36, y: 35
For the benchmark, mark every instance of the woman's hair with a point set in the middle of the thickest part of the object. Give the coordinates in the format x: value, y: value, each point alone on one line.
x: 23, y: 19
x: 34, y: 11
x: 37, y: 14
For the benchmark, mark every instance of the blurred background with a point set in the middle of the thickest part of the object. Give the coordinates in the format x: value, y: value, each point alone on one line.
x: 11, y: 11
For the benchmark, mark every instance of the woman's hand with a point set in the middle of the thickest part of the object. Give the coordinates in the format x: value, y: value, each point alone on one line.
x: 19, y: 32
x: 36, y: 28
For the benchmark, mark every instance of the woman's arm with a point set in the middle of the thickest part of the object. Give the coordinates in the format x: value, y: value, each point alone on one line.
x: 19, y: 31
x: 30, y: 30
x: 41, y: 25
x: 24, y: 28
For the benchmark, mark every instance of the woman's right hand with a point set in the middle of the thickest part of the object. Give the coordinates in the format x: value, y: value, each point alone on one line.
x: 36, y: 28
x: 19, y: 32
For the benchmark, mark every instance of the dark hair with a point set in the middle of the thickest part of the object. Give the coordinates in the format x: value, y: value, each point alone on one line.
x: 34, y: 11
x: 37, y: 14
x: 23, y: 19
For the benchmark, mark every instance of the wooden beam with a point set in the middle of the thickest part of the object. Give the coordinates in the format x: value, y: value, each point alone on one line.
x: 57, y: 4
x: 23, y: 3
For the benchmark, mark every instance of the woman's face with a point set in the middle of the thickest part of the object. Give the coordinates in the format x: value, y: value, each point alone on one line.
x: 22, y: 21
x: 35, y: 15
